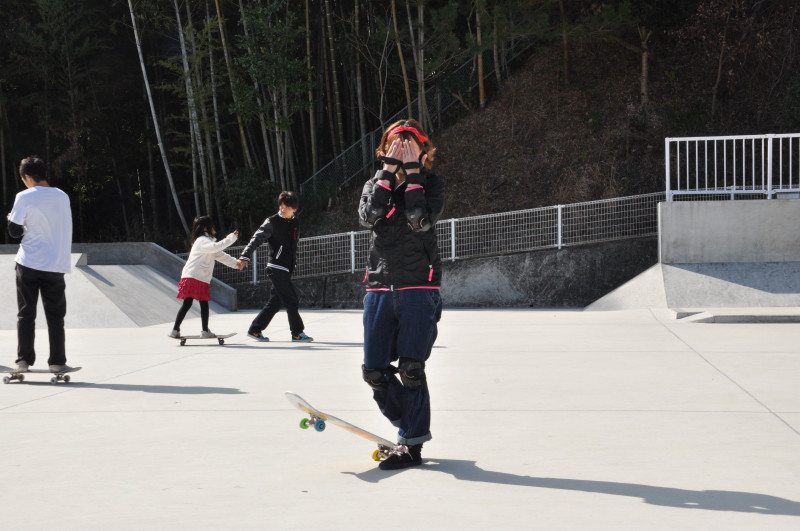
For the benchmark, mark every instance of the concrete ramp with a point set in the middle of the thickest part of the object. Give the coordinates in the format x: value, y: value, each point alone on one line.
x: 708, y: 285
x: 104, y: 296
x: 646, y: 290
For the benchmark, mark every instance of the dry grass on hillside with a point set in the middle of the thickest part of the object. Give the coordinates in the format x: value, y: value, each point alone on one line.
x: 540, y: 143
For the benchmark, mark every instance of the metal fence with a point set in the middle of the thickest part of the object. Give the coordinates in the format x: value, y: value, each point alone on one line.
x: 478, y: 236
x: 732, y: 167
x: 360, y: 156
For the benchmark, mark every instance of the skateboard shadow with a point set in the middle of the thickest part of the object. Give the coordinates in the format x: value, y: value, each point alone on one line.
x: 162, y: 389
x: 708, y: 500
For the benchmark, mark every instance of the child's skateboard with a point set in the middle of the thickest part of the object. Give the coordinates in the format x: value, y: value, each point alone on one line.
x: 15, y: 374
x: 318, y: 420
x: 220, y: 338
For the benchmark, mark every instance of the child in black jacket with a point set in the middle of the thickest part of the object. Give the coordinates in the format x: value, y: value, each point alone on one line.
x: 281, y: 232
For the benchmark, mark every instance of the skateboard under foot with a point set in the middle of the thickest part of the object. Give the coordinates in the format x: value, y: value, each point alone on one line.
x: 14, y: 374
x: 220, y: 338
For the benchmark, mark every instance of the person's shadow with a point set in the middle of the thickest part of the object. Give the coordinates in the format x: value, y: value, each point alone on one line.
x: 709, y: 500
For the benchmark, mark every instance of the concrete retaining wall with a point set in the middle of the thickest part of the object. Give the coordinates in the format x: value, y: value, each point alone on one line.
x: 572, y: 277
x: 701, y: 232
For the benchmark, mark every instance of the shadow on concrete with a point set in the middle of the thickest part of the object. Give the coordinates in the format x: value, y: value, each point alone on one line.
x: 163, y: 389
x: 709, y: 500
x: 94, y: 274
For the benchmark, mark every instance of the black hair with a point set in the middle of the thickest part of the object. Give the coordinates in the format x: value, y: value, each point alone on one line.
x: 33, y: 166
x: 289, y: 199
x: 202, y: 225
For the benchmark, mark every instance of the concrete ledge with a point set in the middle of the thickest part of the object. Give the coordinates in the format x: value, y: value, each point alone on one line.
x: 737, y: 315
x: 697, y: 232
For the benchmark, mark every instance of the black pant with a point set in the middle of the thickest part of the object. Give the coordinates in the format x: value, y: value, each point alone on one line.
x: 187, y: 303
x: 31, y: 282
x: 281, y: 293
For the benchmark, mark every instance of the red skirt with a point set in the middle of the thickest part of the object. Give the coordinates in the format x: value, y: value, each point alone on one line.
x: 197, y: 290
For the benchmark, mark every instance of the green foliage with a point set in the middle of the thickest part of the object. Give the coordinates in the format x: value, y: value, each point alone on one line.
x: 249, y: 196
x: 271, y: 56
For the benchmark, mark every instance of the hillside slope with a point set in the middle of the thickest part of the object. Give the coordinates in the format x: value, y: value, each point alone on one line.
x: 540, y: 142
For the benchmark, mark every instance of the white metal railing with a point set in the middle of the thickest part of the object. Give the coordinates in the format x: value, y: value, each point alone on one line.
x: 722, y: 167
x: 552, y: 227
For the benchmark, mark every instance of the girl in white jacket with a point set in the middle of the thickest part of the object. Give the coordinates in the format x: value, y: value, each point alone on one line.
x: 199, y: 269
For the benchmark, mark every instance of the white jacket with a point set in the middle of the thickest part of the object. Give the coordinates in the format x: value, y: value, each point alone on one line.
x: 206, y: 250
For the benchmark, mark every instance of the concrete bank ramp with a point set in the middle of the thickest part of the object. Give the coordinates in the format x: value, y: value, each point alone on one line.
x: 708, y: 285
x: 104, y: 296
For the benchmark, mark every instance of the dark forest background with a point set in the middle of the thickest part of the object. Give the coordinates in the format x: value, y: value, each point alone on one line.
x: 243, y: 98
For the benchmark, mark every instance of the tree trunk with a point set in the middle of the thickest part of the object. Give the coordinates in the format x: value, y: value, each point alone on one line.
x: 496, y: 52
x: 155, y: 122
x: 209, y: 182
x: 194, y: 122
x: 402, y: 62
x: 720, y: 62
x: 644, y: 36
x: 152, y: 176
x: 120, y: 192
x: 564, y: 40
x: 242, y: 138
x: 335, y: 79
x: 481, y: 88
x: 260, y: 100
x: 362, y: 120
x: 418, y: 51
x: 215, y: 107
x: 311, y: 129
x: 328, y: 93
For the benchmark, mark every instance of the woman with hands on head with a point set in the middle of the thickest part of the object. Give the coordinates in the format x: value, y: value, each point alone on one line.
x: 402, y: 307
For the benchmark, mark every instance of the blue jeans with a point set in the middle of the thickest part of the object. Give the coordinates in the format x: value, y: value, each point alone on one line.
x: 402, y: 324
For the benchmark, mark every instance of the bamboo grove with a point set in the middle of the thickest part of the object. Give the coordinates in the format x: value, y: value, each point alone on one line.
x: 150, y: 112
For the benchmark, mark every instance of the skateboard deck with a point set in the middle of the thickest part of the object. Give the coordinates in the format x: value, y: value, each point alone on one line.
x: 318, y: 420
x: 221, y: 338
x: 14, y: 374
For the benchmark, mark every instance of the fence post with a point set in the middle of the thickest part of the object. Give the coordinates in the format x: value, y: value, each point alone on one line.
x: 254, y: 265
x: 560, y: 208
x: 666, y: 167
x: 769, y: 166
x: 452, y: 239
x: 352, y: 252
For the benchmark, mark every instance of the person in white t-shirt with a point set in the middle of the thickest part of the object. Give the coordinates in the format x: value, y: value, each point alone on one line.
x: 42, y: 217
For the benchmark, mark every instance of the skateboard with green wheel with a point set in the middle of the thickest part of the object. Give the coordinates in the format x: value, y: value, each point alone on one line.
x: 319, y: 420
x: 15, y: 374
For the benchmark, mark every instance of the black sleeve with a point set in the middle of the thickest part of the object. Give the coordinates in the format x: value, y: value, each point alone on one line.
x: 262, y: 234
x: 375, y: 201
x: 424, y: 205
x: 14, y: 230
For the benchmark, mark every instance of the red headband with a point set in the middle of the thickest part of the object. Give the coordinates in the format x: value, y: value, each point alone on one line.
x: 401, y: 128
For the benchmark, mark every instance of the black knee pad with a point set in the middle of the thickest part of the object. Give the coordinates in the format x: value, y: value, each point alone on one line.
x: 376, y: 378
x: 412, y: 373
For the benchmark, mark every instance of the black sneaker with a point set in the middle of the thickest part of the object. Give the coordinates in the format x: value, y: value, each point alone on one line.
x: 403, y: 457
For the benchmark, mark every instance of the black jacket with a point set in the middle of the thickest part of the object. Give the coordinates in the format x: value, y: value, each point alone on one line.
x: 282, y: 235
x: 404, y: 251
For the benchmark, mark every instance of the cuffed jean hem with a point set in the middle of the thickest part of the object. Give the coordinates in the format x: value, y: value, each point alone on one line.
x: 414, y: 440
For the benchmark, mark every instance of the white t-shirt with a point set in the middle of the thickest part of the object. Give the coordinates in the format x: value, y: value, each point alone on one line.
x: 45, y: 214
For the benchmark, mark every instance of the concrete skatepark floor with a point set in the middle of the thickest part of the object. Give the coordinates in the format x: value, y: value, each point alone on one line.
x: 541, y: 420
